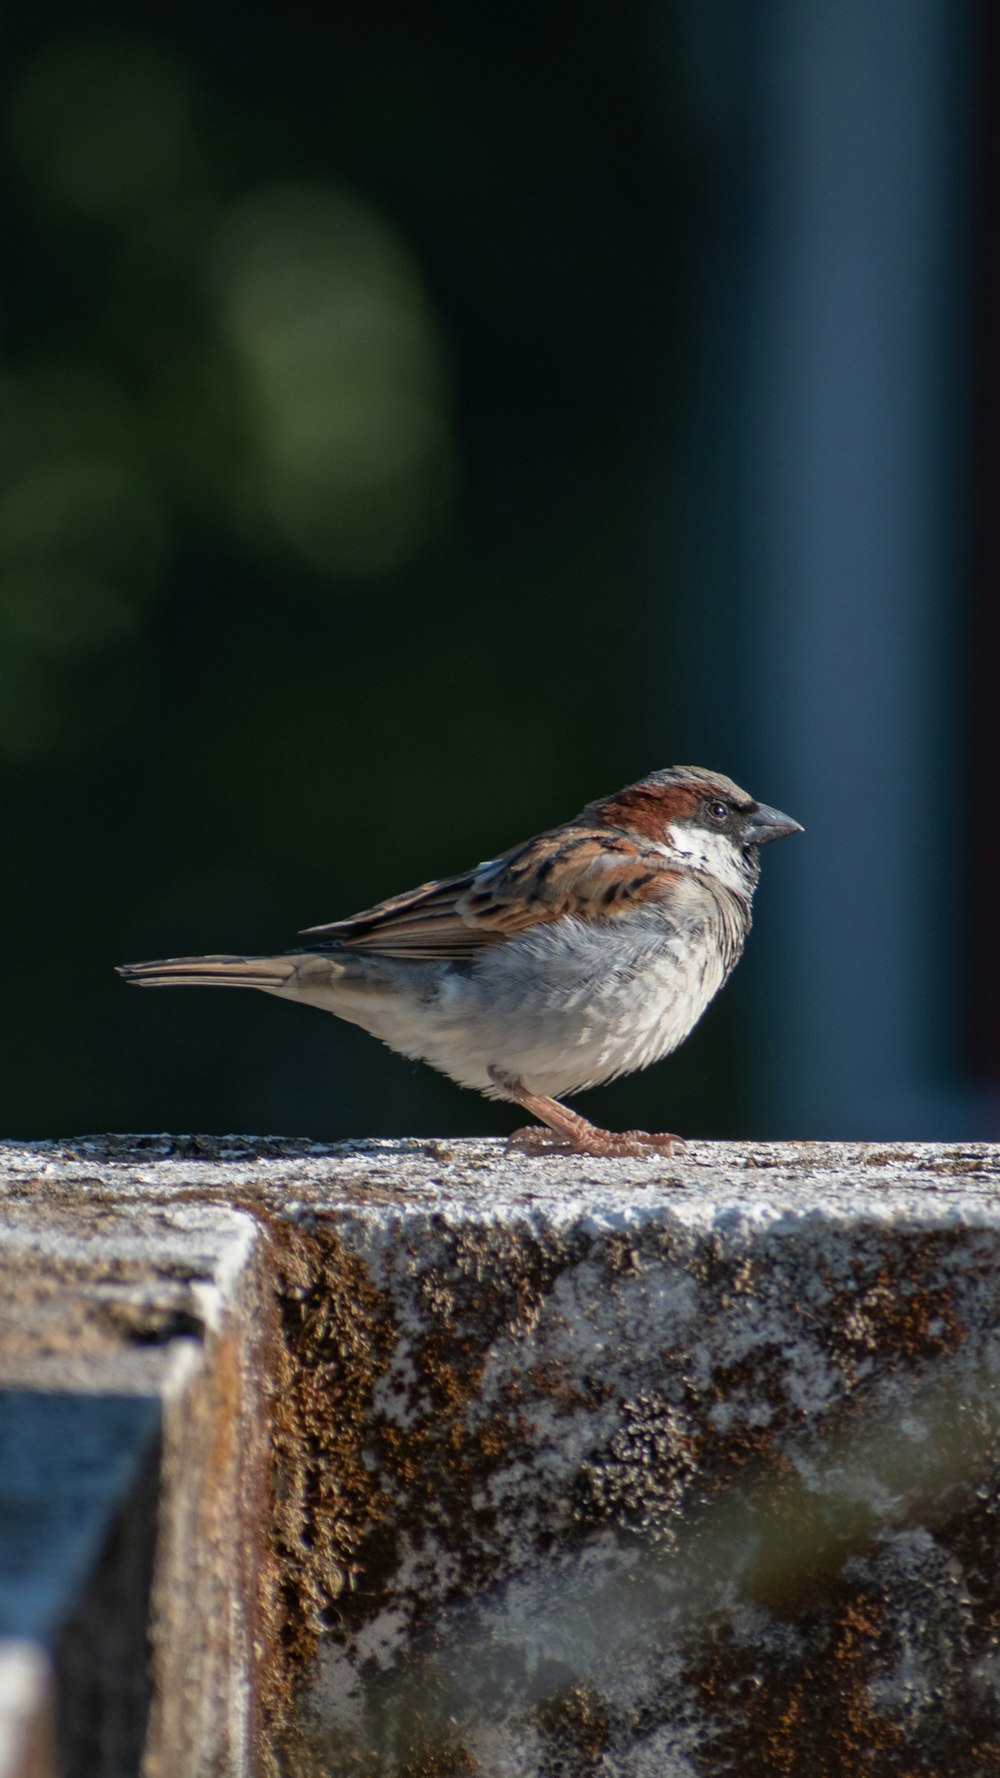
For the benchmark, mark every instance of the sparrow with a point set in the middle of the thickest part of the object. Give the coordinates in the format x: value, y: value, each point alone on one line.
x: 583, y: 954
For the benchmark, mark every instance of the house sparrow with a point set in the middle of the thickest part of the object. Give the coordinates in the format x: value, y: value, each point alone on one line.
x: 578, y: 956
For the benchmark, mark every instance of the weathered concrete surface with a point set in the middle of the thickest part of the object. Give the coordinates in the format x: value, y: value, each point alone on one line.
x: 27, y: 1714
x: 136, y: 1480
x: 639, y: 1468
x: 78, y: 1500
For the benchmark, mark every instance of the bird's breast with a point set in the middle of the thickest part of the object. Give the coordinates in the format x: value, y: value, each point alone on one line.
x: 561, y: 1006
x: 572, y: 1004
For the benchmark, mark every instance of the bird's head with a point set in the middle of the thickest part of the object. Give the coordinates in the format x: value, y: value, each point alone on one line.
x: 700, y: 819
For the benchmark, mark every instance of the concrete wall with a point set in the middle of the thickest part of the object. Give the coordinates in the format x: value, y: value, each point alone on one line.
x: 408, y: 1458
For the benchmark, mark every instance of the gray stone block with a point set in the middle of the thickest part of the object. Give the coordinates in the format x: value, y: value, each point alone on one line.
x: 134, y: 1465
x: 552, y: 1466
x: 79, y: 1481
x: 27, y: 1717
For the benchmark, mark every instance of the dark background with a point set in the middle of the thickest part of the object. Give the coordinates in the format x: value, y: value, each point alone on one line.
x: 417, y: 422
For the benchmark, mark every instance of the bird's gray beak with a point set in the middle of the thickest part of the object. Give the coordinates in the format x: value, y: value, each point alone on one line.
x: 768, y: 824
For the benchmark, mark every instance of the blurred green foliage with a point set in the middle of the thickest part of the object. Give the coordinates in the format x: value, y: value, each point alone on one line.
x: 328, y: 517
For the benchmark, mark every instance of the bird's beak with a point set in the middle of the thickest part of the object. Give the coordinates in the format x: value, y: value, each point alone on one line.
x: 769, y: 824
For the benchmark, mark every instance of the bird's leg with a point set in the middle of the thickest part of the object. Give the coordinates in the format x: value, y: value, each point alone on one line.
x: 575, y: 1135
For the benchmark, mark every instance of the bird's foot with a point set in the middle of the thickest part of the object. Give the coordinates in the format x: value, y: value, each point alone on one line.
x: 633, y: 1142
x: 598, y: 1144
x: 533, y: 1139
x: 566, y: 1132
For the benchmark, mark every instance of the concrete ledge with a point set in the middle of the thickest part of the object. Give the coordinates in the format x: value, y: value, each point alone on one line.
x: 484, y: 1466
x: 27, y: 1715
x: 134, y: 1425
x: 76, y: 1559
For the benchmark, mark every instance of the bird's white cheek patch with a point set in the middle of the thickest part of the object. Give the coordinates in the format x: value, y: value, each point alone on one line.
x: 685, y: 841
x: 713, y: 852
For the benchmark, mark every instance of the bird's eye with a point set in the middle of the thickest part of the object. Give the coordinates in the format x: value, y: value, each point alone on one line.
x: 718, y: 812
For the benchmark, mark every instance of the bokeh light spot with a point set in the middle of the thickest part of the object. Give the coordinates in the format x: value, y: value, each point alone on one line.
x: 103, y: 123
x: 30, y: 703
x: 344, y: 377
x: 64, y: 609
x: 78, y: 507
x: 53, y: 406
x: 83, y: 542
x: 81, y: 550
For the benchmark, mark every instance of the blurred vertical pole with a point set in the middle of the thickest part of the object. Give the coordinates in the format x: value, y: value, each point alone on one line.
x: 983, y: 984
x: 829, y: 389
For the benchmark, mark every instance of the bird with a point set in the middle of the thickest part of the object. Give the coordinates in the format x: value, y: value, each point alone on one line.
x: 578, y: 956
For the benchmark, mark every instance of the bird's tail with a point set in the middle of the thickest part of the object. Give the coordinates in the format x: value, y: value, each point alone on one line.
x: 272, y: 974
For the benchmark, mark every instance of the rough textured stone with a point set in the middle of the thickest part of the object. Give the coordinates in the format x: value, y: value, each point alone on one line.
x: 639, y: 1468
x: 78, y: 1502
x: 112, y: 1306
x: 27, y: 1719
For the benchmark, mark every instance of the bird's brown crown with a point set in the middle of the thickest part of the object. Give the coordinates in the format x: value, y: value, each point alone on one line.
x: 674, y: 794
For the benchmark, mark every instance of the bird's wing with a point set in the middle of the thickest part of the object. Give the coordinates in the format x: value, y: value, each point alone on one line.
x: 582, y: 872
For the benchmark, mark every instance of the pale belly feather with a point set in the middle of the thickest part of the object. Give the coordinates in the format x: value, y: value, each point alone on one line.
x: 557, y: 1008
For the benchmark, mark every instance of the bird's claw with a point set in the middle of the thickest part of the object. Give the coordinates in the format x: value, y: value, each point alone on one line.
x: 598, y: 1144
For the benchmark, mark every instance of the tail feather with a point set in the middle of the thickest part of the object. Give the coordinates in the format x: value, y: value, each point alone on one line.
x: 271, y: 974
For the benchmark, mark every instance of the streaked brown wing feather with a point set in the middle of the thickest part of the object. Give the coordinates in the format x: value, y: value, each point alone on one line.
x: 580, y: 871
x: 423, y: 922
